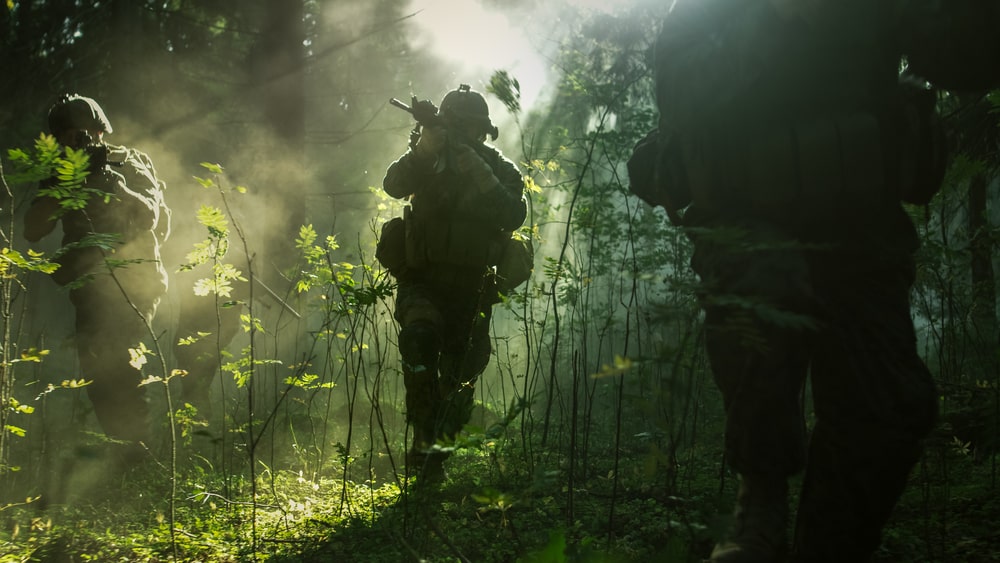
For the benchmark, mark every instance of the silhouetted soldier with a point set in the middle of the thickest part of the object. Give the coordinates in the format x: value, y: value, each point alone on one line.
x: 114, y: 289
x: 788, y: 133
x: 465, y: 199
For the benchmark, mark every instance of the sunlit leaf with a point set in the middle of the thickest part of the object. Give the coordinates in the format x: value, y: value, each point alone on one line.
x: 620, y: 366
x: 530, y: 186
x: 211, y: 167
x: 151, y: 379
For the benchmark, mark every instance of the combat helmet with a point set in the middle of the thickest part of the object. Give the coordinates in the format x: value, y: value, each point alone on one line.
x: 466, y: 105
x: 74, y: 111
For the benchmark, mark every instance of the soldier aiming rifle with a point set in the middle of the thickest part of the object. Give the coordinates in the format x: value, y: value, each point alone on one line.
x: 465, y: 199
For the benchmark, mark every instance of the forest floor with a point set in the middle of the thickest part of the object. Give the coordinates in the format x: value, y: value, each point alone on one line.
x: 487, y: 510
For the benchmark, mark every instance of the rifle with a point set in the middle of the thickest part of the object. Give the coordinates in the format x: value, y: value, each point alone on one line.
x: 426, y: 114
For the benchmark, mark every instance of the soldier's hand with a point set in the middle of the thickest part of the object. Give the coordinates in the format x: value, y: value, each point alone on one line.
x: 469, y: 163
x: 423, y: 111
x: 431, y: 143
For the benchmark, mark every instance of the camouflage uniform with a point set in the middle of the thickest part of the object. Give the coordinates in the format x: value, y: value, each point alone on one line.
x: 106, y: 323
x: 791, y: 140
x: 453, y: 234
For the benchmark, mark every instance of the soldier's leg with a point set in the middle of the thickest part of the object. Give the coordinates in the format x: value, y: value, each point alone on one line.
x: 762, y: 392
x: 420, y: 343
x: 106, y: 327
x: 875, y: 402
x: 757, y: 305
x: 461, y: 366
x: 419, y: 347
x: 765, y: 432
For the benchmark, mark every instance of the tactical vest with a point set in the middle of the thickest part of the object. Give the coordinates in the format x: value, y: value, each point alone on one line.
x: 764, y: 116
x: 135, y: 212
x: 457, y: 242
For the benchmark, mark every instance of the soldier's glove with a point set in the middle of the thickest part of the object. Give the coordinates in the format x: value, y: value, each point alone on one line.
x: 98, y: 157
x: 424, y: 111
x: 431, y: 143
x: 468, y: 163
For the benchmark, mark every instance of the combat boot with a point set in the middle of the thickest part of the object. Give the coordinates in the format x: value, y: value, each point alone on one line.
x: 759, y: 533
x: 423, y: 459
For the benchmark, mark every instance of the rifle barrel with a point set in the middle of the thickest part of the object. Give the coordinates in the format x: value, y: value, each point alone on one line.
x: 400, y: 105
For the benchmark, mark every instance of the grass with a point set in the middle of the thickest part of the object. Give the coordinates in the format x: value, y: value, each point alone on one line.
x: 480, y: 513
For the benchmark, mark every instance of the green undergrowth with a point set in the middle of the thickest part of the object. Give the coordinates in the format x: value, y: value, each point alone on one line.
x: 945, y: 515
x: 490, y: 508
x: 479, y: 513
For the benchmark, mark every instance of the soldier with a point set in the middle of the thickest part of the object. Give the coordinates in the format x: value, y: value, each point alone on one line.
x: 114, y: 291
x: 790, y: 137
x: 465, y: 199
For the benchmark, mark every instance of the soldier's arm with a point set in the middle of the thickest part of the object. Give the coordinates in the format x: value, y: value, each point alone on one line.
x: 407, y: 176
x: 494, y: 187
x: 512, y: 190
x: 39, y: 221
x: 503, y: 198
x: 415, y: 169
x: 155, y: 189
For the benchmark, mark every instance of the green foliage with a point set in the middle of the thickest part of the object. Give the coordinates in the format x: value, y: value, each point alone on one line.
x: 320, y: 269
x: 15, y: 407
x: 69, y: 167
x: 302, y: 520
x: 221, y: 282
x: 309, y: 381
x: 30, y: 261
x: 189, y: 422
x: 38, y: 165
x: 212, y: 251
x: 343, y: 293
x: 242, y: 368
x: 507, y: 89
x: 554, y: 552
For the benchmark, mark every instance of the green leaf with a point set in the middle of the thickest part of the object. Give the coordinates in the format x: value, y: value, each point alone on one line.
x: 213, y: 168
x: 214, y: 220
x: 205, y: 182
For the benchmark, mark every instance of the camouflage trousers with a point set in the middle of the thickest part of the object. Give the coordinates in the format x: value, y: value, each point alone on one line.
x: 782, y: 305
x: 444, y: 342
x: 106, y: 327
